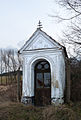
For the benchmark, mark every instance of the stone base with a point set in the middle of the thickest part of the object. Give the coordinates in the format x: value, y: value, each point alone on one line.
x: 27, y: 100
x: 30, y: 100
x: 57, y: 101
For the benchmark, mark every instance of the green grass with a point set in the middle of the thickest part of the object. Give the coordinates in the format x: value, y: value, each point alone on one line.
x: 18, y: 111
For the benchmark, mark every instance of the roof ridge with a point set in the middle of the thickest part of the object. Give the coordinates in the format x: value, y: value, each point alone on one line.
x: 38, y: 29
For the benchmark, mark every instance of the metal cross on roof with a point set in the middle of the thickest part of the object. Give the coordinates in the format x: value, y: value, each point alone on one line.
x: 39, y: 25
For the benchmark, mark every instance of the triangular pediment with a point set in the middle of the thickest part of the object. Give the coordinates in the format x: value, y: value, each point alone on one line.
x: 40, y: 40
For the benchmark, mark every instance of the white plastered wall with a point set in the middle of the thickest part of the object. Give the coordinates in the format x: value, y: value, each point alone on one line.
x: 57, y: 65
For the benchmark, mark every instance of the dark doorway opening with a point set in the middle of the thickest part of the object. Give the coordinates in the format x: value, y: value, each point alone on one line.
x: 42, y: 83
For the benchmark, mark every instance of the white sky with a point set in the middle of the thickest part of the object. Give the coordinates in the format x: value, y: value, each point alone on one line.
x: 19, y: 19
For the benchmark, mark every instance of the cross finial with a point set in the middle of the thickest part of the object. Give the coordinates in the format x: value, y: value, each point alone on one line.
x: 39, y: 25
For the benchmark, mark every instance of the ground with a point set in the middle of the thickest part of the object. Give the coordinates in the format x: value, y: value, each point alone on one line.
x: 10, y: 109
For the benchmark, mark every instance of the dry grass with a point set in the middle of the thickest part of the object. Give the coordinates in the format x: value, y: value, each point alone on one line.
x: 8, y: 93
x: 3, y: 80
x: 17, y: 111
x: 61, y: 112
x: 6, y: 80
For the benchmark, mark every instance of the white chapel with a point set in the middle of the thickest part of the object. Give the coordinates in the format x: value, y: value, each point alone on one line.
x: 43, y: 70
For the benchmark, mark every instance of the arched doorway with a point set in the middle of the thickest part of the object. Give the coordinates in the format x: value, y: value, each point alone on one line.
x: 42, y: 83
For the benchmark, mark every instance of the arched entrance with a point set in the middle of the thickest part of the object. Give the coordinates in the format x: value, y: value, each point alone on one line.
x: 42, y: 83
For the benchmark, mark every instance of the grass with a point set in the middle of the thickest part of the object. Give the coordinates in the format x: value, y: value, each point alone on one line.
x: 3, y: 80
x: 18, y: 111
x: 9, y: 80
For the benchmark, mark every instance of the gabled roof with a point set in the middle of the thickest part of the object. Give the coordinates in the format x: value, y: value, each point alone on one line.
x: 39, y: 31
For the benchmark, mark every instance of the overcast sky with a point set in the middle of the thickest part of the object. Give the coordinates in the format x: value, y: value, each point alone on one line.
x: 19, y: 19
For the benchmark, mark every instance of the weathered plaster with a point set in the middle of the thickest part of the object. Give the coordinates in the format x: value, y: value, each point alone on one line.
x: 41, y: 48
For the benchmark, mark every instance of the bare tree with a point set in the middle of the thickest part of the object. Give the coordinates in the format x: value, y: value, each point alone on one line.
x: 13, y: 60
x: 1, y: 64
x: 72, y: 14
x: 10, y: 62
x: 4, y: 59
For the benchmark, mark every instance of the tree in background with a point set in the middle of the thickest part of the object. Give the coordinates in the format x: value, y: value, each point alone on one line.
x: 10, y: 61
x: 1, y: 63
x: 71, y: 13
